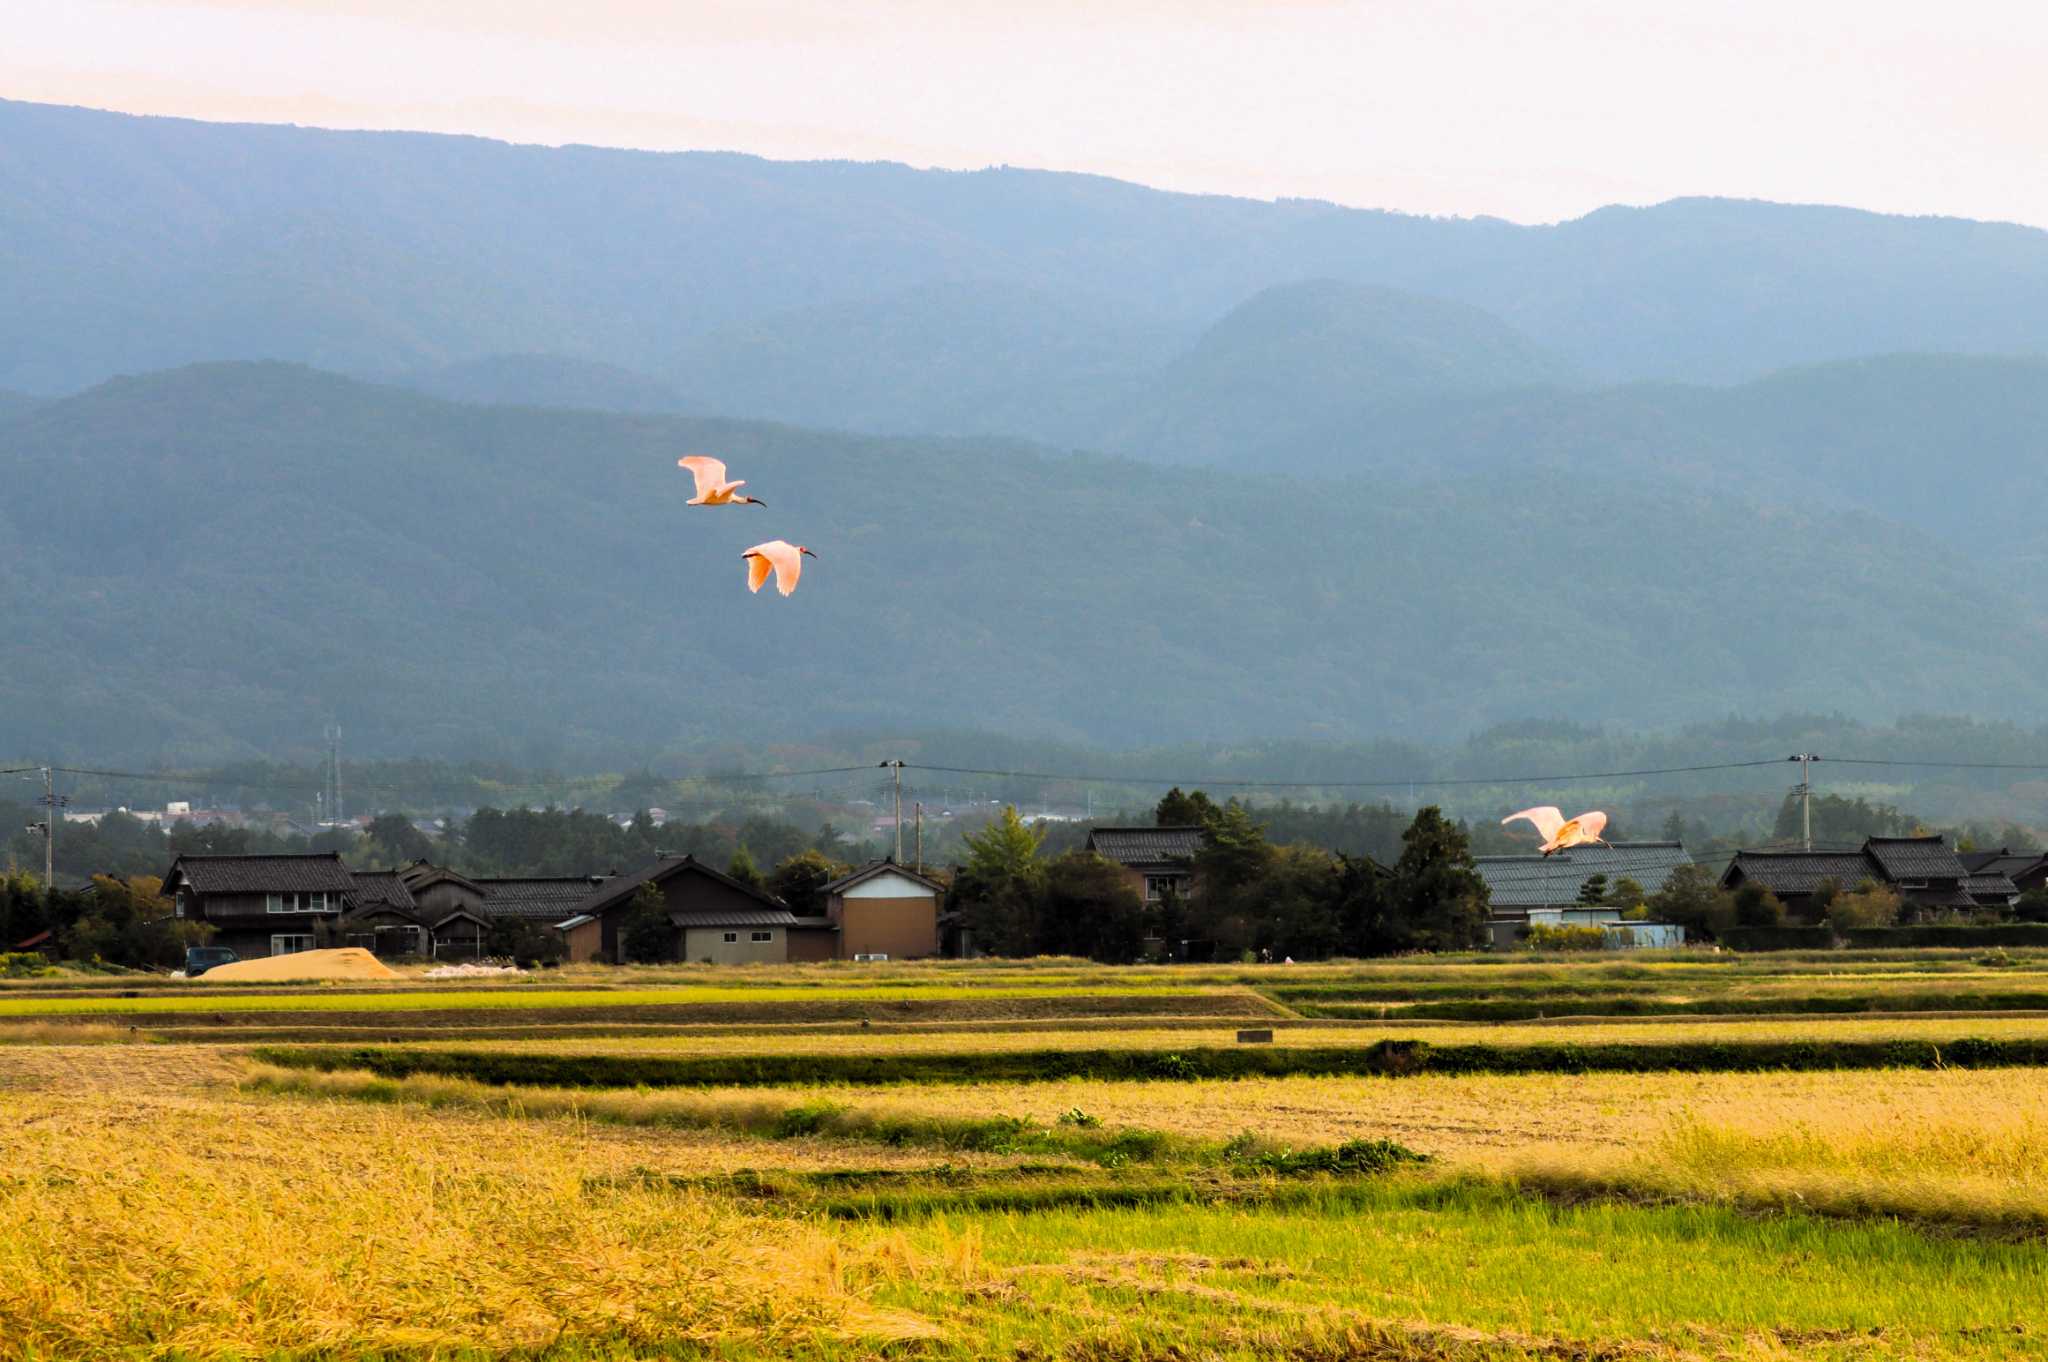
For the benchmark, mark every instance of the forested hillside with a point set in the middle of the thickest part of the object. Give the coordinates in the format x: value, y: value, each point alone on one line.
x: 139, y: 243
x: 220, y: 559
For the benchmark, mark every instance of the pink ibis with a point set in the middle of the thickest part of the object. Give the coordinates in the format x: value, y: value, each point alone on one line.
x: 784, y: 558
x: 712, y: 488
x: 1559, y: 834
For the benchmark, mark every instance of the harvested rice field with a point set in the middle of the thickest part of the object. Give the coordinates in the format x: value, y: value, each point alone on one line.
x: 203, y: 1199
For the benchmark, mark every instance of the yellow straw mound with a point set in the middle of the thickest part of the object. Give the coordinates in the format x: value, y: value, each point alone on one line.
x: 346, y: 962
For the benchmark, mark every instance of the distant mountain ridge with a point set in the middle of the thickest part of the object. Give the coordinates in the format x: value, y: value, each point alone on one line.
x: 288, y: 547
x: 141, y: 243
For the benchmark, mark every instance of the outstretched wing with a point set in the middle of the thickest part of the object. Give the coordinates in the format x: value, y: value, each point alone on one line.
x: 709, y: 472
x: 1548, y: 818
x: 1591, y: 825
x: 789, y: 565
x: 758, y: 568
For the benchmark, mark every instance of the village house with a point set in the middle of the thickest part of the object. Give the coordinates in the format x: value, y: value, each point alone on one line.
x: 715, y: 918
x: 263, y: 905
x: 1922, y: 871
x: 1155, y: 861
x: 1528, y: 891
x: 884, y: 911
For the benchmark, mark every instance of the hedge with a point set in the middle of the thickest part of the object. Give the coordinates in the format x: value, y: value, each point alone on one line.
x: 2002, y: 934
x: 1777, y: 938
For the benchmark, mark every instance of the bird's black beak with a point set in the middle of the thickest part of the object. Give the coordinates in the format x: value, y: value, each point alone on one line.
x: 755, y: 501
x: 807, y: 551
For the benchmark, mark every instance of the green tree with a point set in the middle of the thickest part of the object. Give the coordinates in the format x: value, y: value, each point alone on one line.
x: 1432, y: 898
x: 1756, y: 906
x: 1234, y: 851
x: 1691, y: 899
x: 1177, y: 810
x: 1006, y: 849
x: 1593, y: 890
x: 799, y: 881
x: 647, y: 935
x: 1088, y: 907
x: 398, y: 841
x: 1624, y: 893
x: 2033, y: 905
x: 742, y: 868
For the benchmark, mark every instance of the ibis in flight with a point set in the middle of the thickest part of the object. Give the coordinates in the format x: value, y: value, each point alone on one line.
x: 1558, y: 833
x: 784, y: 558
x: 712, y: 488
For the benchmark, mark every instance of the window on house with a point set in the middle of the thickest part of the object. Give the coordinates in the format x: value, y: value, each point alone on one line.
x: 290, y: 945
x: 732, y: 937
x: 178, y: 904
x: 1156, y: 886
x: 295, y: 903
x: 764, y: 936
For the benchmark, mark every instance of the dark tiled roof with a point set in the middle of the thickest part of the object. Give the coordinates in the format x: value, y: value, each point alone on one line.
x: 382, y: 889
x: 874, y: 868
x: 1146, y: 846
x: 2011, y: 864
x: 619, y: 888
x: 1540, y: 881
x: 1914, y: 858
x: 420, y: 874
x: 1801, y: 872
x: 540, y: 898
x: 1991, y: 888
x: 757, y: 917
x: 322, y: 871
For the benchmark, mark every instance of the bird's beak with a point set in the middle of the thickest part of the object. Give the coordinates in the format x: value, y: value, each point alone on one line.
x: 755, y: 501
x: 807, y: 551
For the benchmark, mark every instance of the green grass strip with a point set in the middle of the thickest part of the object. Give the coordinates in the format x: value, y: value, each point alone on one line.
x: 1386, y: 1058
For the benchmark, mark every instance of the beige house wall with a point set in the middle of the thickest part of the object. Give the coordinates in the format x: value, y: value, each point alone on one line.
x: 709, y: 943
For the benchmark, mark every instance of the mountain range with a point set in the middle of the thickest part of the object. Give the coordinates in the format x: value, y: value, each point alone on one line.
x: 219, y: 559
x: 299, y: 425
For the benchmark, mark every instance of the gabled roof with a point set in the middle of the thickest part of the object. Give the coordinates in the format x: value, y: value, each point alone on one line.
x: 1545, y: 881
x: 620, y: 888
x: 1146, y: 846
x: 874, y: 868
x: 542, y: 898
x: 2004, y: 861
x: 1801, y: 872
x: 420, y: 874
x: 314, y: 873
x: 1915, y: 858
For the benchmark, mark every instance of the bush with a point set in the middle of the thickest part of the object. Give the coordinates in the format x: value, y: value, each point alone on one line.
x: 1543, y: 937
x: 1943, y: 934
x: 1756, y: 906
x: 1871, y: 905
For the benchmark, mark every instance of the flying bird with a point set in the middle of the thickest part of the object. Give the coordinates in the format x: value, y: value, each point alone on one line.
x: 1559, y: 834
x: 786, y: 559
x: 712, y: 488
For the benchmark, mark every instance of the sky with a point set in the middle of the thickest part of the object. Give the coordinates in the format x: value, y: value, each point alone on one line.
x: 1529, y: 111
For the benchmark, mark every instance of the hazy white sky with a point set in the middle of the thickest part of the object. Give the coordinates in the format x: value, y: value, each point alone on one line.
x: 1531, y: 111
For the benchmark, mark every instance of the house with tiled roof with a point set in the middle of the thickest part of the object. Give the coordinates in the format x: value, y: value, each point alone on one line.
x: 1526, y: 891
x: 263, y: 905
x: 1156, y: 861
x: 716, y: 918
x: 2027, y: 870
x: 1923, y: 871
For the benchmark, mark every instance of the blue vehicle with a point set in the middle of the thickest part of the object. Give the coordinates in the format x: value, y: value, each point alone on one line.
x: 200, y: 959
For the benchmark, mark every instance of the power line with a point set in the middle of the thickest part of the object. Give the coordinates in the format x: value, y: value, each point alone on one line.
x: 1224, y: 782
x: 1944, y: 765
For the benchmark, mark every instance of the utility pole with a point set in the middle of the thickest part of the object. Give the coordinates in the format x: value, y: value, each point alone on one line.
x: 920, y: 837
x: 897, y: 764
x: 49, y: 835
x: 1805, y: 793
x: 334, y: 773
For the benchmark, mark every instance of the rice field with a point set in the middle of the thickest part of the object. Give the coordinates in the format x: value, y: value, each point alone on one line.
x: 190, y: 1201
